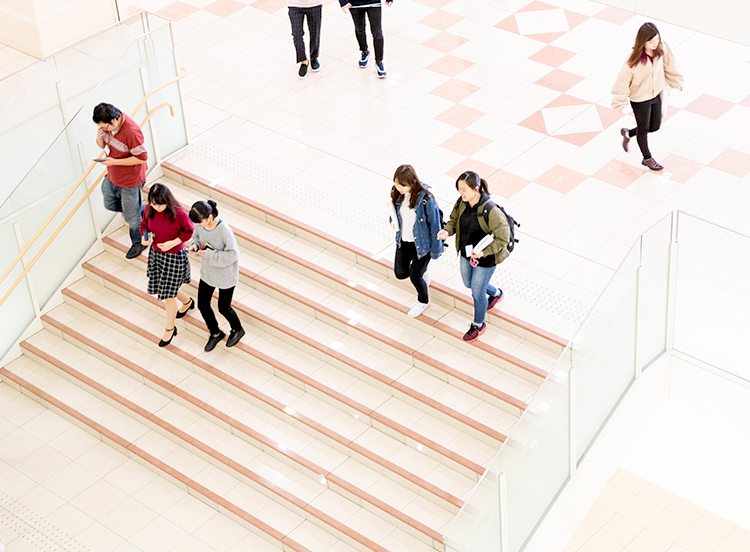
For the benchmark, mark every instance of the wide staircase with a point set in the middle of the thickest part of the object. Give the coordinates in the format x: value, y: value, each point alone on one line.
x: 338, y: 421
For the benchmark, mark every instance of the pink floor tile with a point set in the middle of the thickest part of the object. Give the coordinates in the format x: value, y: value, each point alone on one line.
x: 559, y: 80
x: 732, y: 161
x: 547, y: 38
x: 224, y: 8
x: 269, y: 6
x: 552, y: 56
x: 445, y: 42
x: 482, y: 169
x: 455, y: 90
x: 509, y: 24
x: 506, y: 184
x: 450, y: 66
x: 746, y: 102
x: 132, y: 10
x: 537, y: 6
x: 465, y: 143
x: 460, y: 116
x: 435, y: 3
x: 535, y: 122
x: 614, y: 15
x: 682, y: 169
x: 441, y: 19
x: 574, y: 18
x: 177, y: 11
x: 566, y: 100
x: 561, y: 179
x: 618, y: 174
x: 709, y: 106
x: 577, y: 139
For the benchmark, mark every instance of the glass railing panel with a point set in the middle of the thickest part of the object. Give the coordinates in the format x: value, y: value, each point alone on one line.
x: 712, y: 298
x: 604, y: 351
x: 18, y: 311
x: 477, y: 527
x: 536, y: 457
x: 171, y: 132
x: 655, y: 273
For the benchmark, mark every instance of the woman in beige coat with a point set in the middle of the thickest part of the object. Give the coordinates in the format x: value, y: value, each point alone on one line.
x: 643, y: 80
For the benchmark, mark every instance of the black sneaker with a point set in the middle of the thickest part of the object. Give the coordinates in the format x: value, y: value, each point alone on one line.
x: 234, y: 337
x: 314, y: 65
x: 493, y: 300
x: 474, y: 332
x: 213, y: 341
x: 365, y: 59
x: 302, y: 70
x: 135, y: 250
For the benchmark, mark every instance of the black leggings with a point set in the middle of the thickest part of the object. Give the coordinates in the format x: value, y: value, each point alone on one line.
x: 408, y: 265
x: 648, y: 118
x: 375, y: 15
x: 225, y: 307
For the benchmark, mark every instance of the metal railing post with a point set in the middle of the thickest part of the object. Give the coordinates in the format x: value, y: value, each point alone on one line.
x: 502, y: 486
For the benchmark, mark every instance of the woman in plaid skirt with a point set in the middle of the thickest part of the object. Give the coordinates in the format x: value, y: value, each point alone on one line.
x: 166, y: 227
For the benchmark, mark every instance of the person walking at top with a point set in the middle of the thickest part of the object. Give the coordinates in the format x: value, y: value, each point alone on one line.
x: 214, y: 240
x: 644, y: 78
x: 126, y: 168
x: 166, y: 228
x: 473, y: 219
x: 374, y: 11
x: 415, y: 216
x: 313, y: 11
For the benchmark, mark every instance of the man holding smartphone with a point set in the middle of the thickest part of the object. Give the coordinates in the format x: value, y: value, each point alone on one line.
x: 126, y: 168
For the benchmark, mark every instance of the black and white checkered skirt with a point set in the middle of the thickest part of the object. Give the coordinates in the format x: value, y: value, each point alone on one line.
x: 167, y: 272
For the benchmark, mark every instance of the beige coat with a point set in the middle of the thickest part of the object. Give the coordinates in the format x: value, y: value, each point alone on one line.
x: 644, y: 82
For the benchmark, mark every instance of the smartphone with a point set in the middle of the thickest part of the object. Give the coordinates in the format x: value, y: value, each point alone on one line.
x: 99, y: 160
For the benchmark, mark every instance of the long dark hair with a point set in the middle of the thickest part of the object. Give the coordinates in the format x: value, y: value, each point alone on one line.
x: 159, y: 194
x: 473, y: 181
x: 639, y: 55
x: 407, y: 176
x: 201, y: 210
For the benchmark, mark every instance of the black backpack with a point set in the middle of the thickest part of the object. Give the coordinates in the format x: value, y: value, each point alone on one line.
x: 511, y: 221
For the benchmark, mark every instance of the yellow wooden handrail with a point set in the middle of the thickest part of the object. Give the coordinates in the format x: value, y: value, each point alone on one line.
x: 78, y: 205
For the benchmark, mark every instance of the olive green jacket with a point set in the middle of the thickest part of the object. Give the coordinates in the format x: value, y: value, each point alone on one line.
x: 498, y: 227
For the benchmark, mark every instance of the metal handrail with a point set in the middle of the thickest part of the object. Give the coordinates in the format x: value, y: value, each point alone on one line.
x: 64, y: 200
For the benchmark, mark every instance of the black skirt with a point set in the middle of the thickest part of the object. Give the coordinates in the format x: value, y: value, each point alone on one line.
x: 167, y: 272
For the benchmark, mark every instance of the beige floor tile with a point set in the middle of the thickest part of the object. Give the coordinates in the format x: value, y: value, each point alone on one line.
x: 740, y: 537
x: 159, y: 535
x: 220, y: 532
x: 686, y: 510
x: 620, y: 530
x: 614, y: 498
x: 597, y: 517
x: 70, y: 481
x: 599, y: 543
x: 41, y: 500
x: 312, y: 537
x: 580, y: 537
x: 128, y: 518
x: 657, y: 495
x: 716, y: 525
x: 648, y: 541
x: 726, y: 546
x: 629, y: 482
x: 669, y: 526
x: 697, y: 539
x: 640, y: 511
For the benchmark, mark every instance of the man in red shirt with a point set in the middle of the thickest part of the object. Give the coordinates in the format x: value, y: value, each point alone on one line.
x: 126, y: 168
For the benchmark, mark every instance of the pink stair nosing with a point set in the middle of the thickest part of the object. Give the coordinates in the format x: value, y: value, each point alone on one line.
x: 562, y: 343
x: 145, y: 374
x: 234, y: 465
x: 135, y: 451
x: 478, y: 426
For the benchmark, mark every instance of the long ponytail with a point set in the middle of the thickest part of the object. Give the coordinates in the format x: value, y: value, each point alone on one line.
x: 473, y: 181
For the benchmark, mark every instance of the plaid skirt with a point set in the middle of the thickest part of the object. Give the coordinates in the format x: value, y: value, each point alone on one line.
x: 167, y: 272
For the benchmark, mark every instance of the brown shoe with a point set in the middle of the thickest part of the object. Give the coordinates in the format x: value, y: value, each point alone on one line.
x: 625, y: 138
x: 652, y: 164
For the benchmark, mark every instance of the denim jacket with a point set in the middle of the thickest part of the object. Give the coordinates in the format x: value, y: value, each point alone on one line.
x: 426, y: 227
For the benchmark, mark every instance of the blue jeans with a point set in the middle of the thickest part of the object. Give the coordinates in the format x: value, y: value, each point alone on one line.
x: 477, y: 279
x: 126, y: 201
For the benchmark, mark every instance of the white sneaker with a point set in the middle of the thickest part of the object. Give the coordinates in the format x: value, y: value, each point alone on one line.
x: 418, y: 309
x: 427, y: 277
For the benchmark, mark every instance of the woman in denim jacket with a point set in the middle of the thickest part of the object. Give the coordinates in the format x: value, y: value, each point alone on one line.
x: 415, y: 216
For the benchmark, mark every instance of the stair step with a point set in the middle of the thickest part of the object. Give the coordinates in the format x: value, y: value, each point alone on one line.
x: 236, y: 401
x: 225, y: 461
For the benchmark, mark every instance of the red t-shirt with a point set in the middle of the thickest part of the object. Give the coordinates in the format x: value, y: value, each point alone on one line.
x: 165, y: 230
x: 127, y: 141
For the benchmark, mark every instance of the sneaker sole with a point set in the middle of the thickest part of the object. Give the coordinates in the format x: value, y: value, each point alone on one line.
x: 477, y: 337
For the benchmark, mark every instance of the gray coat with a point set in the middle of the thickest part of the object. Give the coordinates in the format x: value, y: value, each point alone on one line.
x: 220, y: 267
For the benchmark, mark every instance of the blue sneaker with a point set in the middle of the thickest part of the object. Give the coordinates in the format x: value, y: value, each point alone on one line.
x: 365, y: 59
x: 381, y: 70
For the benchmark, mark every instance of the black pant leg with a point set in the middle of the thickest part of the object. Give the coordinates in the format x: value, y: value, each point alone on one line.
x: 358, y: 16
x: 655, y: 114
x: 314, y: 19
x: 416, y: 273
x: 375, y: 15
x: 642, y: 112
x: 226, y: 310
x: 204, y: 306
x: 296, y: 17
x: 402, y: 262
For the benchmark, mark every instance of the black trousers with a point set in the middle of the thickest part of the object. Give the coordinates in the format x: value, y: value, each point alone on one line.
x: 225, y: 307
x: 648, y: 118
x: 375, y: 15
x: 314, y: 16
x: 408, y: 265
